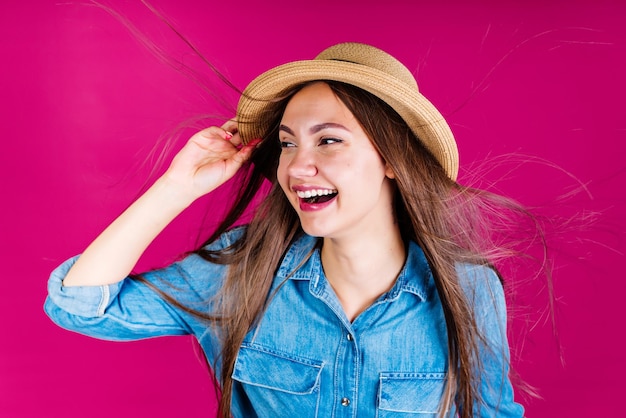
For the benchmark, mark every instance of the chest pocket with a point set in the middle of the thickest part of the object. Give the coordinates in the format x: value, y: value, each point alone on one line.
x: 410, y: 394
x: 280, y: 385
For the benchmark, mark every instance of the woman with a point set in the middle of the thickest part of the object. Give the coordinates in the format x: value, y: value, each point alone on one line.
x: 361, y: 287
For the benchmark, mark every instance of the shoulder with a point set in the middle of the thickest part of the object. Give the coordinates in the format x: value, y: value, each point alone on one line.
x: 477, y: 277
x: 194, y: 272
x: 227, y: 239
x: 198, y: 259
x: 483, y: 289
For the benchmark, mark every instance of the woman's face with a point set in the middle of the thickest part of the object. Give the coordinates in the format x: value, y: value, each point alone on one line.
x: 329, y: 170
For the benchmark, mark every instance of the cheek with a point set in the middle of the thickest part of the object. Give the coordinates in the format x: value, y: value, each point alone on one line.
x: 370, y: 169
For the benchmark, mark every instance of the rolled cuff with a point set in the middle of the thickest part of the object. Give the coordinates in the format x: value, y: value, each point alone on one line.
x: 85, y: 301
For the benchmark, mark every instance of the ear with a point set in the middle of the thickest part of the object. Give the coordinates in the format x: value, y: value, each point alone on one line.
x: 389, y: 172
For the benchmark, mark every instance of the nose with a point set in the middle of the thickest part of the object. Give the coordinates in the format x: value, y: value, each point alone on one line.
x: 301, y: 163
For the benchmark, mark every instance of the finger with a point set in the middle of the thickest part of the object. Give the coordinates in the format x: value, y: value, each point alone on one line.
x: 236, y: 140
x: 232, y: 132
x: 215, y: 132
x: 242, y: 155
x: 230, y: 126
x: 216, y: 138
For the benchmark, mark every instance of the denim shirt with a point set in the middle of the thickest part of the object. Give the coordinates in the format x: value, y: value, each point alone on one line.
x: 305, y: 358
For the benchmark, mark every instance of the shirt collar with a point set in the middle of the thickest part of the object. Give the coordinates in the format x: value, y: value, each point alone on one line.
x: 415, y: 277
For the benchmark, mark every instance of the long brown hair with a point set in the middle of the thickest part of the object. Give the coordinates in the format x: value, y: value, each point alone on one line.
x: 450, y: 222
x: 432, y: 210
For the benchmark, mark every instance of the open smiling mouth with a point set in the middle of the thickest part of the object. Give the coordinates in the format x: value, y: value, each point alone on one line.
x: 317, y: 196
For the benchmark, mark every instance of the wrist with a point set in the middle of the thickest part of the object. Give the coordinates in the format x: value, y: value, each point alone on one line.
x: 171, y: 195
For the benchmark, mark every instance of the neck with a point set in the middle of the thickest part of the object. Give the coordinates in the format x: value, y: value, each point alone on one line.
x: 362, y: 269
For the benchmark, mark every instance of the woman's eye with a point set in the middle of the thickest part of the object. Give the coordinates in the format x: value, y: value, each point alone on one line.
x: 328, y: 141
x: 286, y: 144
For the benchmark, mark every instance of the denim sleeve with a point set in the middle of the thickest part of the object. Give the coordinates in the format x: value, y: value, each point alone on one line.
x: 130, y: 309
x: 486, y: 297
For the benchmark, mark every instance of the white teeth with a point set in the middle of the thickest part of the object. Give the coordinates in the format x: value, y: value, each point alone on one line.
x: 312, y: 193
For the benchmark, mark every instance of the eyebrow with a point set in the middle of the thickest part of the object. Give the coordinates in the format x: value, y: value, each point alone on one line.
x: 315, y: 128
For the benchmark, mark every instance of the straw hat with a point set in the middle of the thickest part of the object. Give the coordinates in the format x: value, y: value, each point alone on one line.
x: 363, y: 66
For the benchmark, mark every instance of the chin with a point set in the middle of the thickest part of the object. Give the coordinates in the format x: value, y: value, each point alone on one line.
x: 313, y: 230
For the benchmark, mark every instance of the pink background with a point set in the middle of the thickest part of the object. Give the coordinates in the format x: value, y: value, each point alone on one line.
x: 82, y: 103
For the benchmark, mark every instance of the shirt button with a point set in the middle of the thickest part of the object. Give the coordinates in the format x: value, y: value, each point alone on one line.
x: 349, y: 337
x: 345, y: 401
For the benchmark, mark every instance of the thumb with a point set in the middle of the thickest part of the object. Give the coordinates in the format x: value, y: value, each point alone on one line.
x: 241, y: 156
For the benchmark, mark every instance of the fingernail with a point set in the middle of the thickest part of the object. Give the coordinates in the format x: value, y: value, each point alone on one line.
x: 228, y: 135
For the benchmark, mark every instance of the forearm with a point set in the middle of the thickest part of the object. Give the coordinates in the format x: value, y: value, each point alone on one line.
x: 209, y: 158
x: 114, y: 253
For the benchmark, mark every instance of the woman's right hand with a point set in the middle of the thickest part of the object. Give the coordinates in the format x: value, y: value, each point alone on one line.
x: 209, y: 159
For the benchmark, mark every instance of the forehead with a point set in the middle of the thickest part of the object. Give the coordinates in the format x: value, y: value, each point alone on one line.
x: 316, y: 100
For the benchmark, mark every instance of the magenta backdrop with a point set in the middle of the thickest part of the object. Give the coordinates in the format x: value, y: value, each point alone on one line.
x: 82, y: 103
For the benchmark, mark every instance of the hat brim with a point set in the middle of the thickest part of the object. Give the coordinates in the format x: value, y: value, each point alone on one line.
x: 421, y: 116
